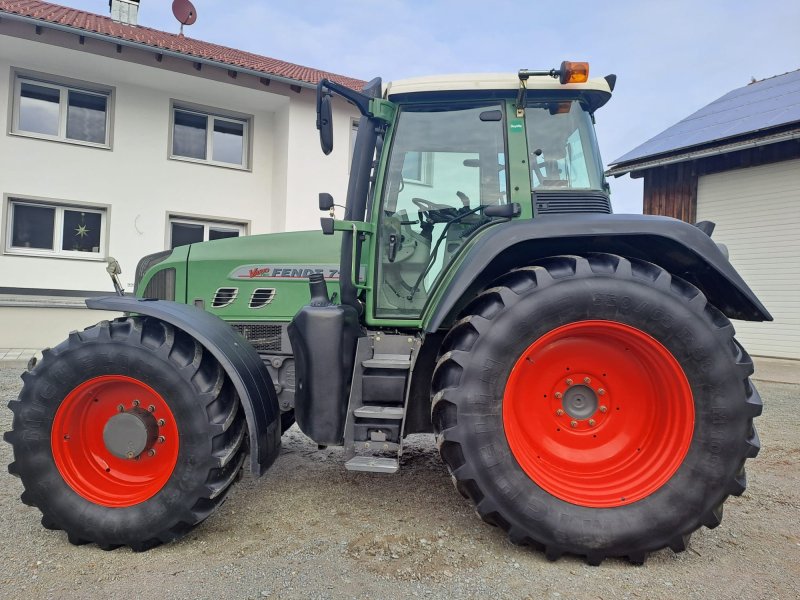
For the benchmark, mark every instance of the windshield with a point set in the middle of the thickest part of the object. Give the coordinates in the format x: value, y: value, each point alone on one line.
x: 562, y: 147
x: 446, y: 162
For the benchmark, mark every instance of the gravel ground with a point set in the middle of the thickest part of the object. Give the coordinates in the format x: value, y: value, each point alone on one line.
x: 309, y: 529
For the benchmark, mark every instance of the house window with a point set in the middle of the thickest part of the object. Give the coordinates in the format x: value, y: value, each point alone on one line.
x: 61, y: 112
x: 207, y: 137
x: 417, y: 167
x: 49, y: 229
x: 190, y: 231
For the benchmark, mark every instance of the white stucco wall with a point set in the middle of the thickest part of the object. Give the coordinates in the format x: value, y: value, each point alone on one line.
x: 135, y: 180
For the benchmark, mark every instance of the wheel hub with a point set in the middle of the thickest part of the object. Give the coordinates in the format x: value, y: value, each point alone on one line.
x: 580, y: 402
x: 128, y: 434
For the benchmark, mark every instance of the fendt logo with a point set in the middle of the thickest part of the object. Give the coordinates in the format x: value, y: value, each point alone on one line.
x: 249, y: 272
x: 258, y: 272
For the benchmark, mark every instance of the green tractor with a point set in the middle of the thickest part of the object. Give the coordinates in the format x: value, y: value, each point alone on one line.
x: 578, y: 368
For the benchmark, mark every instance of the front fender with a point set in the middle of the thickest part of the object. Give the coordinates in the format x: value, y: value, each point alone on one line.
x: 236, y: 356
x: 680, y: 248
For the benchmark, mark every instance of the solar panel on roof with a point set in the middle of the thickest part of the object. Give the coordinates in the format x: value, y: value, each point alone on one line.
x: 762, y: 105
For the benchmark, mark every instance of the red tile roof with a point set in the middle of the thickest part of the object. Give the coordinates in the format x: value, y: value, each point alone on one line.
x: 90, y: 22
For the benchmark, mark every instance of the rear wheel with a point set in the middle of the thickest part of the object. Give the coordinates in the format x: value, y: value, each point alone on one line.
x: 127, y: 433
x: 596, y: 406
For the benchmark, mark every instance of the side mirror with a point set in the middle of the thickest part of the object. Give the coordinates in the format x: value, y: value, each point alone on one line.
x: 325, y: 201
x: 324, y: 119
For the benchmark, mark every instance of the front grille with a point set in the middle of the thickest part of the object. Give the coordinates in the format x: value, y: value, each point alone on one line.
x: 554, y: 203
x: 224, y: 296
x: 161, y: 285
x: 263, y: 337
x: 146, y: 262
x: 261, y: 297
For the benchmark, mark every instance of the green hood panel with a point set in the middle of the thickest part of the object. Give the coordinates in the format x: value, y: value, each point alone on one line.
x: 269, y: 273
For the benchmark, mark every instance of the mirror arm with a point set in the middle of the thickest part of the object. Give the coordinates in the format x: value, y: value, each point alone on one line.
x: 357, y: 99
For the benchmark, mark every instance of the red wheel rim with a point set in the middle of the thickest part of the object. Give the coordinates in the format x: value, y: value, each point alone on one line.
x: 598, y: 413
x: 80, y: 451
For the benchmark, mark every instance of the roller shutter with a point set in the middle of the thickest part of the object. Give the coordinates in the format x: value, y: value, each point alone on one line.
x: 757, y: 212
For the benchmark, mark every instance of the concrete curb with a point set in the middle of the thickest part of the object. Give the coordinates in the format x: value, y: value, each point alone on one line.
x: 21, y: 365
x: 777, y: 370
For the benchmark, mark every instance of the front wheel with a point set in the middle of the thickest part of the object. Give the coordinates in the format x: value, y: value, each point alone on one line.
x: 596, y: 406
x: 128, y: 433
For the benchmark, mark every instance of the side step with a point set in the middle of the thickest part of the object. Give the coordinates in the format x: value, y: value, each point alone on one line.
x: 373, y: 434
x: 373, y: 464
x: 388, y: 361
x: 379, y: 412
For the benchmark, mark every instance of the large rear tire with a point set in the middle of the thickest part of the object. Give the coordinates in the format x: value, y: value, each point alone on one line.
x: 596, y: 406
x: 127, y: 433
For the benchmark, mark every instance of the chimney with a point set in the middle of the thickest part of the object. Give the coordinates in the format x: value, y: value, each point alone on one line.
x: 124, y: 11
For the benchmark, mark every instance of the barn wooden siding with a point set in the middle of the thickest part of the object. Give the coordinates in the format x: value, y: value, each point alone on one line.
x: 671, y: 190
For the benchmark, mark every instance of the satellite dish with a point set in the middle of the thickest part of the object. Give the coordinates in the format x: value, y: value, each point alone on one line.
x: 185, y: 12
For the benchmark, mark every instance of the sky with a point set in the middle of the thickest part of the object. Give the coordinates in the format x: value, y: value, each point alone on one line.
x: 671, y: 57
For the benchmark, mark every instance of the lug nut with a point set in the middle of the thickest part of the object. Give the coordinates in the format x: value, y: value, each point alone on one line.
x: 120, y: 408
x: 591, y: 422
x: 569, y: 381
x: 560, y: 412
x: 603, y: 409
x: 586, y: 380
x: 601, y: 391
x: 136, y: 403
x: 161, y: 422
x: 558, y: 394
x: 151, y: 452
x: 573, y: 423
x: 130, y: 454
x: 161, y: 439
x: 151, y: 408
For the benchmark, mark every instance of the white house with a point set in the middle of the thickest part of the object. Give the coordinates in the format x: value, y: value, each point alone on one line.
x: 121, y: 140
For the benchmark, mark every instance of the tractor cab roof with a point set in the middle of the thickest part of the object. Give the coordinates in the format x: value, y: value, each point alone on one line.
x: 596, y: 91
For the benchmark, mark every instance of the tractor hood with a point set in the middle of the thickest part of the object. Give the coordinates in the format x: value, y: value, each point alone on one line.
x: 259, y: 277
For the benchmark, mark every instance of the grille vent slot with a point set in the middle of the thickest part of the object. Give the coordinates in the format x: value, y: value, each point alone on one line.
x: 554, y: 203
x: 261, y: 297
x: 224, y: 296
x: 263, y: 337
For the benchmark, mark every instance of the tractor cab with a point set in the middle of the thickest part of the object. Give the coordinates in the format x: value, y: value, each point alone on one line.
x: 457, y: 155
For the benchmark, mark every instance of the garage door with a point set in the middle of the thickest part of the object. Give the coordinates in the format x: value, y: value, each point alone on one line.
x: 757, y: 212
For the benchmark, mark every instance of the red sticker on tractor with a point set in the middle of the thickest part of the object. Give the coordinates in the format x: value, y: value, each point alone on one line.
x: 250, y: 272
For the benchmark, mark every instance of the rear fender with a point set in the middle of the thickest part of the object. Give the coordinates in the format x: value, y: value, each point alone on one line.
x: 237, y: 357
x: 680, y: 248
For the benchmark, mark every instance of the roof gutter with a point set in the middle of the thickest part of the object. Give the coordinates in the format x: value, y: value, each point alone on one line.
x: 154, y: 49
x: 783, y: 136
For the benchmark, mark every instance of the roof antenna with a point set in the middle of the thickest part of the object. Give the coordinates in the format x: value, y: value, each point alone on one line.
x: 185, y: 12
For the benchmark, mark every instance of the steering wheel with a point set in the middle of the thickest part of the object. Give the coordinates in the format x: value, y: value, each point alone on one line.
x: 426, y: 205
